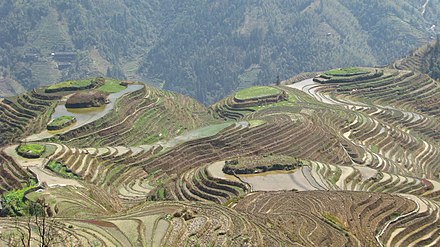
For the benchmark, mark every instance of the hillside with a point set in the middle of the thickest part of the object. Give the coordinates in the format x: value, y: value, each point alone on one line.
x: 340, y: 157
x: 205, y: 49
x: 425, y: 59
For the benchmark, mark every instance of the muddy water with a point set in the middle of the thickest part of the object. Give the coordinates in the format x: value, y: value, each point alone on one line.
x: 299, y: 179
x: 280, y: 180
x: 216, y: 171
x: 83, y: 115
x: 87, y: 115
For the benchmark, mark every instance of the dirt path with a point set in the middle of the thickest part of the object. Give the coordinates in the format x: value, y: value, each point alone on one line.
x: 424, y: 7
x: 416, y: 200
x: 51, y: 179
x: 36, y: 166
x: 310, y: 87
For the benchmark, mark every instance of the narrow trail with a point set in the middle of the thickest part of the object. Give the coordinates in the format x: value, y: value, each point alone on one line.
x: 378, y: 235
x: 424, y: 7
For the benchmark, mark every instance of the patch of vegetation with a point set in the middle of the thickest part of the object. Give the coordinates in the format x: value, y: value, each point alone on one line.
x: 112, y: 86
x: 335, y: 176
x: 258, y: 164
x: 256, y: 92
x: 334, y: 221
x: 232, y: 201
x: 211, y: 129
x: 61, y: 170
x: 374, y: 148
x: 14, y: 203
x: 61, y: 122
x: 346, y: 71
x: 31, y: 150
x: 161, y: 193
x: 255, y: 123
x: 71, y: 85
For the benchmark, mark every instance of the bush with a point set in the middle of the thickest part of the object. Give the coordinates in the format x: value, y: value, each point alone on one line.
x: 14, y: 203
x: 61, y: 170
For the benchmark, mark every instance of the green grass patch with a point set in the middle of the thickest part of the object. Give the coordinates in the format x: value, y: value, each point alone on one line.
x: 61, y: 121
x: 30, y: 150
x: 255, y: 123
x: 334, y: 221
x: 14, y: 203
x: 256, y: 92
x: 211, y: 130
x: 374, y: 148
x: 111, y: 86
x: 335, y: 175
x: 61, y: 170
x: 161, y: 193
x: 346, y: 71
x: 71, y: 84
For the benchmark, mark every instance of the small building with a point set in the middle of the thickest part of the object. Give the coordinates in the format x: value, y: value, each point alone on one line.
x: 64, y: 56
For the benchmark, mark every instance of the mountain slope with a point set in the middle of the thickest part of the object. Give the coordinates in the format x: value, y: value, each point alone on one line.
x: 346, y: 156
x: 425, y: 59
x: 205, y: 49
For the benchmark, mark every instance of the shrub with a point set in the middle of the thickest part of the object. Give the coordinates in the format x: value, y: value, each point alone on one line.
x: 61, y: 170
x: 14, y: 201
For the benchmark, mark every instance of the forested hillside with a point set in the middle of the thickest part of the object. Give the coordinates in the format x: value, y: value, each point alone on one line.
x: 203, y: 48
x: 425, y: 59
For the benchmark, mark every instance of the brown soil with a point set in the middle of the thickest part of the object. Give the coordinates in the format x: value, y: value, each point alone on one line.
x: 87, y: 100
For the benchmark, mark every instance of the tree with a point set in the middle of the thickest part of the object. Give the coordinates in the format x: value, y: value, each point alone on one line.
x: 278, y: 81
x: 38, y: 227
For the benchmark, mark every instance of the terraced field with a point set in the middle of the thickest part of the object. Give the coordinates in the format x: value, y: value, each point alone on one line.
x: 148, y: 170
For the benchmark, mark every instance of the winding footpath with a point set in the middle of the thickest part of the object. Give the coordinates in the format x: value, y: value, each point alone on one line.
x: 424, y: 7
x: 379, y: 234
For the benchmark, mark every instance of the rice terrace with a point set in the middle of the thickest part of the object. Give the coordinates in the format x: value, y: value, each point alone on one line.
x: 345, y: 157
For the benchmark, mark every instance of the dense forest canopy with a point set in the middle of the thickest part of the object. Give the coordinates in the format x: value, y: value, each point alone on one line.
x: 202, y: 48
